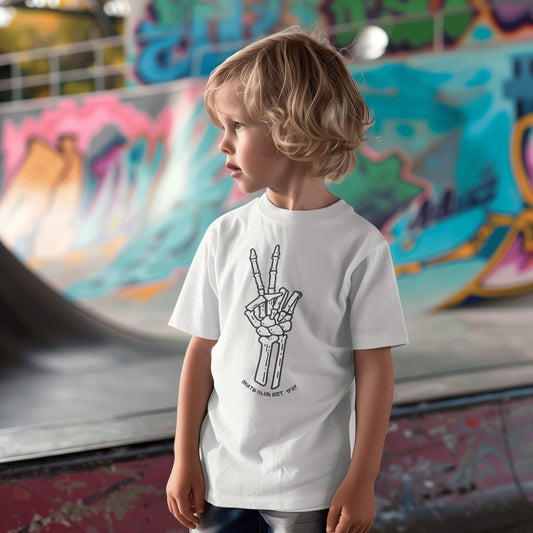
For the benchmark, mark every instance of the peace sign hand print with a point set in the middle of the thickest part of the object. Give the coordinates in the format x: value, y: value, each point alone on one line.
x: 271, y: 316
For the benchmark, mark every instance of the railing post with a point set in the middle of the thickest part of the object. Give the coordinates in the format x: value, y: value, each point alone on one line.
x: 99, y: 63
x: 16, y: 81
x: 438, y: 32
x: 54, y: 80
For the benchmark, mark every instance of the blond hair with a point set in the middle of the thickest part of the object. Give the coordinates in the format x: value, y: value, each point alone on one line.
x: 299, y: 86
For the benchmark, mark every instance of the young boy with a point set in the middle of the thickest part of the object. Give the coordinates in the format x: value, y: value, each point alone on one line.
x: 287, y: 298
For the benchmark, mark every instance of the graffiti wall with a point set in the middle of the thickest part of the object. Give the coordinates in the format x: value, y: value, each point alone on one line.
x: 124, y: 186
x: 108, y: 195
x: 169, y: 40
x: 111, y: 194
x: 451, y: 183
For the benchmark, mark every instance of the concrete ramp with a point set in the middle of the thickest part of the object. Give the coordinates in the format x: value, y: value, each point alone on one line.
x: 70, y: 381
x: 34, y: 317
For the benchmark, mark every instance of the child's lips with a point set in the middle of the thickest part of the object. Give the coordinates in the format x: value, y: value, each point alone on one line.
x: 233, y: 168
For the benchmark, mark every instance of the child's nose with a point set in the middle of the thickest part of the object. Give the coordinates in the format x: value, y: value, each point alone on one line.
x: 226, y: 146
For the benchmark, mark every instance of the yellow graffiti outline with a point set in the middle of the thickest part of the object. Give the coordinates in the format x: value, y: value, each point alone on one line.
x: 523, y: 224
x: 465, y: 250
x: 523, y: 181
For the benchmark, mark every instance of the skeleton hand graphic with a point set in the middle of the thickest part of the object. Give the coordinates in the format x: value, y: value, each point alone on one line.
x: 271, y: 316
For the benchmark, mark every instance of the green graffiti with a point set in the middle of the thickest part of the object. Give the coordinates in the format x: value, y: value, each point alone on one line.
x: 344, y: 11
x: 402, y: 7
x: 455, y: 26
x: 454, y: 4
x: 411, y: 34
x: 414, y: 27
x: 377, y: 189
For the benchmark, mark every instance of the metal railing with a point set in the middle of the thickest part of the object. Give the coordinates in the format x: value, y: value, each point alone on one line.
x: 19, y: 76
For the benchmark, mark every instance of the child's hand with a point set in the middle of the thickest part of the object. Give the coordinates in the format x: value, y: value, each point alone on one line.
x: 185, y: 491
x: 352, y: 508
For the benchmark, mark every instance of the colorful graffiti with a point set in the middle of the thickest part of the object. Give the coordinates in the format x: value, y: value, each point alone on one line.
x: 476, y: 220
x: 172, y: 40
x: 170, y: 33
x: 111, y: 195
x: 122, y: 189
x: 57, y: 164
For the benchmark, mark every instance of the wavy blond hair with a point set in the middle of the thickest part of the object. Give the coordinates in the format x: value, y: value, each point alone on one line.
x: 298, y: 85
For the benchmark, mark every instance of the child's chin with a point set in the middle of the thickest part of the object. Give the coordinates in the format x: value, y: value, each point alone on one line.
x: 247, y: 188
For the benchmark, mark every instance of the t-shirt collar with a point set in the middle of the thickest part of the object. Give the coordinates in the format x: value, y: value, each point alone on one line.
x: 309, y: 215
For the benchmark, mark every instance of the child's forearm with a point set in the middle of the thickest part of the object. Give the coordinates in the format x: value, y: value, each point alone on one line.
x: 374, y: 374
x: 196, y: 384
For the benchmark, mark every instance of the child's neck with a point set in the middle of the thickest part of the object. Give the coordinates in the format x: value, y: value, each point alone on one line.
x: 302, y: 195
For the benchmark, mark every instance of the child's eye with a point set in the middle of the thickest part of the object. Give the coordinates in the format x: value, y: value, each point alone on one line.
x: 238, y: 126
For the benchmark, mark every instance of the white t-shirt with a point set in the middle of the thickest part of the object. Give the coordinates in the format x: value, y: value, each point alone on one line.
x: 288, y: 295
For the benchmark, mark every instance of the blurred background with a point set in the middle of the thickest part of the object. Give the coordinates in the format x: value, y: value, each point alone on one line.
x: 110, y: 174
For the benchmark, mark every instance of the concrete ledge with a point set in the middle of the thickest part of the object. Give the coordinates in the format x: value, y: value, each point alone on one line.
x: 69, y: 436
x: 480, y: 380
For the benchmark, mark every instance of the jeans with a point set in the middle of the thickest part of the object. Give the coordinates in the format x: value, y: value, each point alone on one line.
x: 230, y: 520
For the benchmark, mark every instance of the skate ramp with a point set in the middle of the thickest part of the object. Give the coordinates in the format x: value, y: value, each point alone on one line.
x: 34, y: 317
x: 70, y: 381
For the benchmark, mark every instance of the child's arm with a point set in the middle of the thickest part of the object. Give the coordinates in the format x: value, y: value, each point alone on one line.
x: 352, y: 505
x: 185, y: 487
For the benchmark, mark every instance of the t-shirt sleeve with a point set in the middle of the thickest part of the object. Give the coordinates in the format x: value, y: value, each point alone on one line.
x: 376, y: 316
x: 196, y: 311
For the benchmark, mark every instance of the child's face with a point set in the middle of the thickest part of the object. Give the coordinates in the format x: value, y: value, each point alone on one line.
x: 251, y: 155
